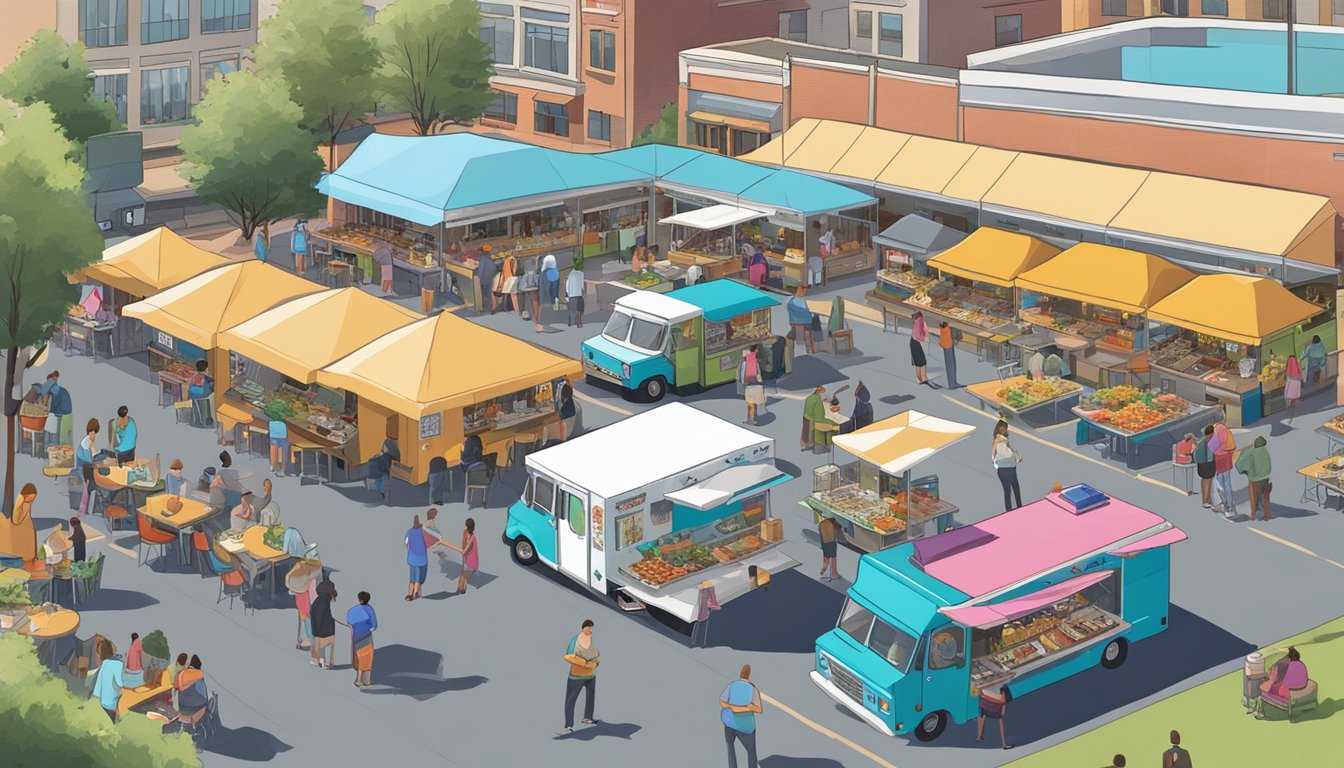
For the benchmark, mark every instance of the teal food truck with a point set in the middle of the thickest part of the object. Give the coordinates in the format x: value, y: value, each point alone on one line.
x: 686, y: 339
x: 1020, y: 601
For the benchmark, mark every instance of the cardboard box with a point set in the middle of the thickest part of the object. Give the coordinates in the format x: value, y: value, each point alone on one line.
x: 772, y: 529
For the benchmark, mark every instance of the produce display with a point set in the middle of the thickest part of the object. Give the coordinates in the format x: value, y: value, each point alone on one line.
x: 274, y: 537
x: 1335, y: 425
x: 663, y: 563
x: 1035, y: 638
x: 1131, y: 409
x: 968, y: 305
x: 367, y: 238
x: 525, y: 246
x: 1274, y: 373
x: 297, y: 407
x: 884, y: 514
x: 1062, y: 323
x: 1021, y: 392
x: 642, y: 279
x: 737, y: 548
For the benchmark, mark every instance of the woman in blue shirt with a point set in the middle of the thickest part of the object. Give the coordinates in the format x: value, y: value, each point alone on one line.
x: 417, y: 558
x: 279, y: 436
x: 107, y: 685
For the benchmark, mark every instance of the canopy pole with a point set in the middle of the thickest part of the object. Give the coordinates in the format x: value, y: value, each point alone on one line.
x: 580, y: 231
x: 651, y: 222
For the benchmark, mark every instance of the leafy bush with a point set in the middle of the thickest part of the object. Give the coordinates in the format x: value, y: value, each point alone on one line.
x: 43, y: 724
x: 156, y: 645
x: 14, y: 594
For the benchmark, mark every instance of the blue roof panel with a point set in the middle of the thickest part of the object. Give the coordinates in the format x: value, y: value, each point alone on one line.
x: 724, y: 299
x: 805, y: 194
x: 653, y: 159
x: 718, y: 173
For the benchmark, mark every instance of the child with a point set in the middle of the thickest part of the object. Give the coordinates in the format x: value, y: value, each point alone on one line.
x: 1185, y: 449
x: 173, y: 482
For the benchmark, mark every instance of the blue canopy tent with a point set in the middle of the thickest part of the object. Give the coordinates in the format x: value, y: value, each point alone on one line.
x: 722, y: 300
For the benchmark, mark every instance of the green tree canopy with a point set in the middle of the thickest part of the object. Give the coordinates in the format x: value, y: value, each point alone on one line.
x: 662, y: 132
x: 46, y: 232
x: 435, y: 66
x: 50, y: 70
x: 324, y: 53
x: 249, y: 152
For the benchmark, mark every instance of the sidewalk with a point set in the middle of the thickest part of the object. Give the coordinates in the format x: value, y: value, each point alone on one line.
x: 1214, y: 725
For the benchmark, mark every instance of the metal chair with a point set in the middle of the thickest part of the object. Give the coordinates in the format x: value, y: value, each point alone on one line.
x: 151, y: 538
x: 479, y: 480
x: 200, y: 547
x: 232, y: 584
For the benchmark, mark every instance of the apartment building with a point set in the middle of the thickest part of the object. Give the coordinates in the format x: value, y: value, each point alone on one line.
x: 944, y: 32
x: 592, y: 74
x: 1082, y: 14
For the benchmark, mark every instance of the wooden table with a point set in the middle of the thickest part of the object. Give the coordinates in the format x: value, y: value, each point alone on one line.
x: 256, y: 558
x: 117, y: 475
x: 229, y: 417
x: 193, y: 512
x: 51, y: 626
x: 1316, y: 478
x: 134, y: 697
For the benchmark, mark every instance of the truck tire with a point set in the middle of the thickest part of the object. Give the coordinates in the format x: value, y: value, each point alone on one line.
x: 1115, y: 652
x: 524, y: 553
x: 652, y: 390
x: 931, y: 727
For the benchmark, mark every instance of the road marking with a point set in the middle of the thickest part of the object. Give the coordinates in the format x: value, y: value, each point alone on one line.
x: 827, y: 732
x: 121, y: 549
x: 1297, y: 547
x: 789, y: 395
x: 1049, y: 427
x: 601, y: 404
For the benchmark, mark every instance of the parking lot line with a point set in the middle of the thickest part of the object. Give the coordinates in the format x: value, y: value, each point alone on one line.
x: 1297, y: 547
x: 601, y: 404
x: 827, y: 732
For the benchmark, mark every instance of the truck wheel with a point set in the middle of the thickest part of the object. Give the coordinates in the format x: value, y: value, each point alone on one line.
x: 1113, y: 655
x: 523, y: 551
x: 931, y: 727
x: 653, y: 389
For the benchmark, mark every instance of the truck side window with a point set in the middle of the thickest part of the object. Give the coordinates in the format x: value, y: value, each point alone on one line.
x: 543, y: 494
x: 574, y: 514
x: 947, y: 647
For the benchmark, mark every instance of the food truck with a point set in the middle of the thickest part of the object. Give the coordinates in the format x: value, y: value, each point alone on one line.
x: 619, y: 520
x: 686, y: 339
x: 1022, y: 600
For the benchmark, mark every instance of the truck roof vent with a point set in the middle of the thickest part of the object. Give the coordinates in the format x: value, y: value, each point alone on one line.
x: 1081, y: 498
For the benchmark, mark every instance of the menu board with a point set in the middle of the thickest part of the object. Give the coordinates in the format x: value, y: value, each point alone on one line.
x: 629, y: 529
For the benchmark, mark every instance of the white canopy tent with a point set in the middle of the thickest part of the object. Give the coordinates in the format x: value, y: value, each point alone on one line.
x: 714, y: 217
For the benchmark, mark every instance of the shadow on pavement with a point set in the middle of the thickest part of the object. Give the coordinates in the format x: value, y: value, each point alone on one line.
x: 117, y: 600
x: 786, y: 618
x: 602, y: 728
x: 250, y: 744
x: 414, y: 672
x: 809, y: 371
x: 784, y: 761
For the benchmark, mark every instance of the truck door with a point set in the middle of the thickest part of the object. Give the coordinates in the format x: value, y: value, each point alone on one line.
x: 571, y: 511
x: 686, y: 357
x: 946, y: 679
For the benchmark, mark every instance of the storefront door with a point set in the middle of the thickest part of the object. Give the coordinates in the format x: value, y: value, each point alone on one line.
x: 571, y: 509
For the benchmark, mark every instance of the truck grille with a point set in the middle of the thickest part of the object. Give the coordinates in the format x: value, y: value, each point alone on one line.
x: 847, y: 682
x: 593, y: 369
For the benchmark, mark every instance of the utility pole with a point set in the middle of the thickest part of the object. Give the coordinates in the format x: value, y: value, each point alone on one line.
x: 1291, y: 14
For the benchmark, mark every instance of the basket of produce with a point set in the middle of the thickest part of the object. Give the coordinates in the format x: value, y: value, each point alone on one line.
x: 274, y: 537
x: 33, y: 416
x: 60, y: 456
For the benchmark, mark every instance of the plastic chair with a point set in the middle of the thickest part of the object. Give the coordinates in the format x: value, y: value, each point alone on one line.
x: 114, y: 515
x: 231, y: 581
x: 200, y: 545
x: 151, y: 537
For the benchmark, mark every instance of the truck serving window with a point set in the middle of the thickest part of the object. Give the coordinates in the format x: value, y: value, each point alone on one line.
x: 647, y: 335
x: 618, y: 326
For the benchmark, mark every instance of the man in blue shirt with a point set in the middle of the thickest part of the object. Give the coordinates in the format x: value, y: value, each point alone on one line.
x: 363, y: 621
x: 740, y: 702
x: 61, y: 408
x: 800, y: 323
x: 124, y: 436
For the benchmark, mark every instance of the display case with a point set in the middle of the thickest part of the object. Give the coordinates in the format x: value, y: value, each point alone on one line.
x: 330, y: 415
x: 509, y: 411
x: 409, y: 243
x: 752, y: 328
x: 853, y: 232
x: 976, y: 304
x: 528, y: 234
x: 877, y: 510
x: 682, y: 554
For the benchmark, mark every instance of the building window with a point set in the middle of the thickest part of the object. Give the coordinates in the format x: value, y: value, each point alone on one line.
x: 1274, y: 10
x: 711, y: 137
x: 503, y: 109
x: 1176, y: 7
x: 102, y: 23
x: 163, y: 95
x: 551, y: 118
x: 1338, y: 7
x: 747, y: 141
x: 793, y: 26
x: 217, y: 69
x: 602, y: 50
x: 225, y: 15
x: 599, y: 126
x: 498, y: 37
x: 1215, y: 7
x: 164, y: 20
x: 546, y: 48
x: 1114, y: 7
x: 863, y: 28
x: 112, y: 88
x: 891, y: 34
x: 1007, y: 29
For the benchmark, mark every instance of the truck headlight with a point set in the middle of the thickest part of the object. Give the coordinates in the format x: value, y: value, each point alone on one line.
x: 626, y: 370
x: 823, y: 664
x: 883, y: 705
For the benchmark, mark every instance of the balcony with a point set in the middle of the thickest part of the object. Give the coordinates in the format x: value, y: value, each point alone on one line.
x: 604, y: 7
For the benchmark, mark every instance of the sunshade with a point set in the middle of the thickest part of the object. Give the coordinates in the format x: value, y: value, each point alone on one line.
x: 1238, y: 308
x: 869, y: 154
x: 777, y: 150
x: 713, y: 217
x: 441, y: 363
x: 902, y: 441
x: 197, y: 310
x: 918, y: 235
x: 1118, y: 278
x: 1073, y: 190
x: 306, y: 334
x: 1163, y: 539
x: 825, y: 146
x: 722, y: 300
x: 985, y: 616
x: 979, y: 174
x: 719, y: 489
x: 994, y: 256
x: 926, y: 164
x: 148, y: 263
x: 653, y: 160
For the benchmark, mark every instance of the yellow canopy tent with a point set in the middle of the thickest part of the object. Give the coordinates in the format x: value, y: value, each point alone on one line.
x: 1118, y: 278
x: 441, y: 363
x: 148, y: 263
x: 898, y: 443
x: 994, y: 256
x: 1238, y: 308
x: 197, y: 310
x: 306, y: 334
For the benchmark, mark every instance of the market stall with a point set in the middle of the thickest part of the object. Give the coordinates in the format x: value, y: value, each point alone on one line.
x: 1090, y: 300
x: 274, y: 359
x: 1017, y: 395
x: 131, y: 270
x: 1128, y: 417
x: 443, y: 379
x: 904, y: 249
x: 612, y: 222
x: 1227, y: 338
x: 708, y: 237
x: 354, y: 240
x: 183, y: 323
x: 875, y: 498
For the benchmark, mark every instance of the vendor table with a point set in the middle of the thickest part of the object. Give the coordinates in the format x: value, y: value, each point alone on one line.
x: 987, y: 393
x: 192, y: 514
x: 869, y: 538
x: 1192, y: 420
x: 256, y: 558
x: 83, y: 331
x: 46, y: 626
x: 1333, y: 432
x: 134, y: 697
x: 1324, y: 476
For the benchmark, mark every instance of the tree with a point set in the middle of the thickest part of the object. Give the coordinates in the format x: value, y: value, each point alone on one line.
x: 662, y: 132
x: 249, y: 152
x: 323, y: 52
x: 50, y: 70
x: 435, y: 66
x: 46, y: 232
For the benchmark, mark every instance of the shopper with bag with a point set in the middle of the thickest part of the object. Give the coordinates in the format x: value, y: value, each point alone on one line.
x: 1006, y: 459
x: 1224, y: 447
x: 749, y: 382
x: 1255, y: 465
x: 487, y: 280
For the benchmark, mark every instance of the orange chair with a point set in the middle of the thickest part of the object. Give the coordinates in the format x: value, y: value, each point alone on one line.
x: 200, y: 545
x: 115, y: 514
x: 151, y: 537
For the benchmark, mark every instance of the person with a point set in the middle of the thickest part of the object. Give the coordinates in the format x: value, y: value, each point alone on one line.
x: 509, y: 281
x: 693, y: 274
x: 758, y: 269
x: 60, y: 410
x: 244, y: 514
x: 298, y: 245
x: 437, y: 478
x: 1224, y: 446
x: 574, y: 294
x: 133, y: 675
x: 470, y: 558
x: 862, y: 415
x: 1118, y: 761
x: 192, y: 696
x: 919, y: 333
x: 261, y: 245
x: 416, y: 558
x: 1005, y: 460
x: 1185, y: 449
x: 486, y: 273
x: 170, y: 676
x: 583, y: 658
x: 108, y: 683
x: 1176, y: 757
x: 814, y: 410
x: 301, y: 581
x: 828, y: 530
x: 226, y: 488
x: 18, y: 536
x: 202, y: 384
x: 429, y: 285
x: 1205, y: 467
x: 949, y: 345
x: 651, y: 256
x: 431, y: 532
x: 278, y: 432
x: 85, y: 455
x: 567, y: 410
x: 173, y: 482
x: 739, y: 704
x: 1254, y: 463
x: 268, y: 513
x: 993, y: 706
x: 125, y: 434
x: 550, y: 276
x: 389, y: 454
x: 1315, y: 354
x: 1292, y: 385
x: 383, y: 256
x: 530, y: 284
x: 1288, y: 675
x: 77, y: 538
x: 800, y: 319
x: 816, y: 263
x: 323, y: 624
x: 472, y: 456
x: 363, y: 622
x: 753, y: 390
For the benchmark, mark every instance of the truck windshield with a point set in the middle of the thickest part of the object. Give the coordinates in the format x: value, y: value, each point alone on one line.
x: 886, y: 641
x: 618, y: 326
x: 647, y: 335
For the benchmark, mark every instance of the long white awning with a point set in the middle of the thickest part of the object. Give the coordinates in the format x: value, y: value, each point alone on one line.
x: 719, y: 489
x: 714, y: 217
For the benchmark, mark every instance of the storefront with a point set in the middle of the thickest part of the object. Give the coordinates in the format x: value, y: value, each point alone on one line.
x: 876, y: 499
x: 356, y: 234
x: 904, y: 249
x: 1227, y: 339
x: 612, y: 222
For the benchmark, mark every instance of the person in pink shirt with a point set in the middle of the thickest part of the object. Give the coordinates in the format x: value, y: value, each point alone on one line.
x: 1223, y: 446
x: 134, y: 674
x: 919, y: 333
x: 752, y: 389
x: 470, y: 562
x: 1290, y: 674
